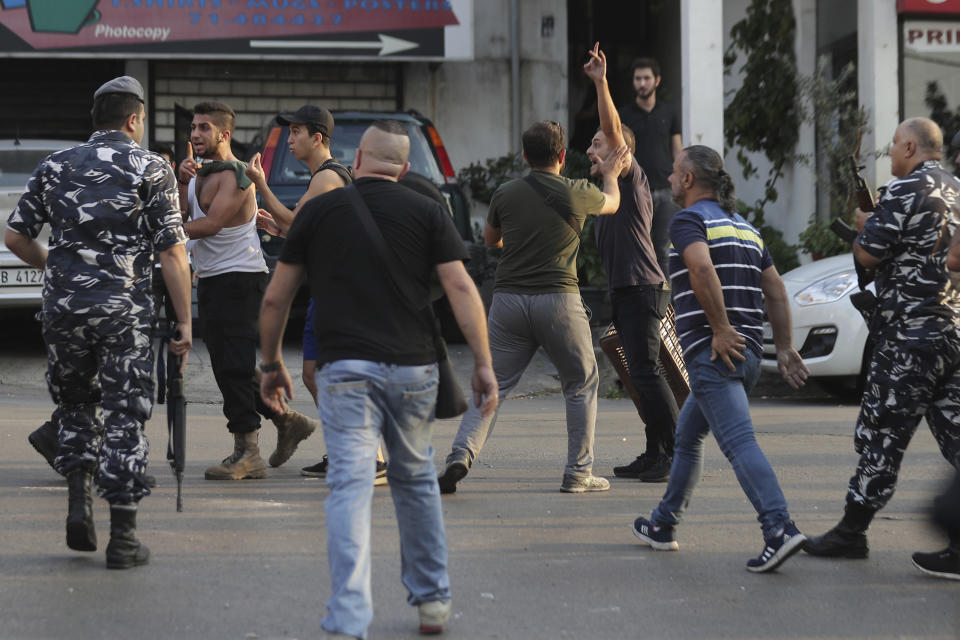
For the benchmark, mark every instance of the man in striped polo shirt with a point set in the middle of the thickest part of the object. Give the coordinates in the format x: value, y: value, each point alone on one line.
x: 721, y: 275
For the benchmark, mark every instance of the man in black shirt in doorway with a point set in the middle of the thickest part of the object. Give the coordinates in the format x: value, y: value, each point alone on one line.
x: 656, y: 127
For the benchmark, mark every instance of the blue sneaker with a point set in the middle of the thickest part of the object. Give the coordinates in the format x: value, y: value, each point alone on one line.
x: 778, y: 548
x: 660, y: 538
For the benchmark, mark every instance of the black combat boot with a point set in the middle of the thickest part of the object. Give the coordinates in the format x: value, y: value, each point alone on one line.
x: 81, y: 535
x: 46, y: 440
x: 124, y: 550
x: 846, y: 540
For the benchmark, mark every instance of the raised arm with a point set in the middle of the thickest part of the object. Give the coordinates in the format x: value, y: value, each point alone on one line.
x: 320, y: 183
x: 186, y: 170
x: 228, y: 200
x: 596, y: 70
x: 611, y: 168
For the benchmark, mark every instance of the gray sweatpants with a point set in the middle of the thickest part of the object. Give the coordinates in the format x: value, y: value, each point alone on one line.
x: 518, y: 325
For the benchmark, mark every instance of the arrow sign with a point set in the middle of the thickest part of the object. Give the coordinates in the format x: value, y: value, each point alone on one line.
x: 386, y: 44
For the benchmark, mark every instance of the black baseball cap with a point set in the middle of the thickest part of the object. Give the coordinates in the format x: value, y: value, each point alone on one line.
x: 311, y: 115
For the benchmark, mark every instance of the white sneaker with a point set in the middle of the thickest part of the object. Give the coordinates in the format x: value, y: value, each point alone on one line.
x: 582, y: 485
x: 433, y: 616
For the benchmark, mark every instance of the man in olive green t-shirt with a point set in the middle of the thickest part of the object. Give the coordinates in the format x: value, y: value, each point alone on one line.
x: 536, y: 299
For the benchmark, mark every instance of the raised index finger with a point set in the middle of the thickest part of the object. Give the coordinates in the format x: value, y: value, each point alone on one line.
x: 189, y: 150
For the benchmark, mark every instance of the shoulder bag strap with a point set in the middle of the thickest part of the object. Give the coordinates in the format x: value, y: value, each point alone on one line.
x: 551, y: 200
x: 391, y: 264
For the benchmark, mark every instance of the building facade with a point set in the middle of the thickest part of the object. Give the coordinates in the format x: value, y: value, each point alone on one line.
x: 482, y: 71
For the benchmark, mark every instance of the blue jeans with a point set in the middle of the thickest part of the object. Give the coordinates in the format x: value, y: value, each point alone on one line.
x: 718, y: 403
x: 358, y: 401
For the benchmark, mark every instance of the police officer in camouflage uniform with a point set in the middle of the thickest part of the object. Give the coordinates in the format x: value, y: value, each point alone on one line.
x: 111, y: 205
x: 914, y: 367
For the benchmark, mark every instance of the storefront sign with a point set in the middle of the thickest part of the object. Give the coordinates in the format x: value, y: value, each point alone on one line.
x: 929, y: 6
x: 405, y: 29
x: 931, y: 36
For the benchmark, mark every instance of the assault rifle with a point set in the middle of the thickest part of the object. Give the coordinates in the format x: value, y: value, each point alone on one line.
x: 170, y: 386
x: 176, y: 418
x: 864, y: 300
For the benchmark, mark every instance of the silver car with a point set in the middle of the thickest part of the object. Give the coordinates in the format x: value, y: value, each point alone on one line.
x: 20, y: 284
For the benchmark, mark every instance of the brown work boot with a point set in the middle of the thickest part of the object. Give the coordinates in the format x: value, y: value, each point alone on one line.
x: 243, y: 464
x: 292, y: 428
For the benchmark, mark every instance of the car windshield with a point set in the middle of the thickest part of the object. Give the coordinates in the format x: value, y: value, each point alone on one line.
x: 346, y: 137
x: 17, y: 165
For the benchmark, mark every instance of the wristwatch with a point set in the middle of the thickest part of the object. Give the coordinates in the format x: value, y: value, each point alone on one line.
x: 270, y: 367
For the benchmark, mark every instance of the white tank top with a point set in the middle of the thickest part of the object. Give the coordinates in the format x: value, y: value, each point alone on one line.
x: 231, y: 249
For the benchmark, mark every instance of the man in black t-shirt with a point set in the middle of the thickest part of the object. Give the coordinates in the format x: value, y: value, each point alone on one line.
x: 377, y: 368
x: 656, y: 127
x: 638, y: 289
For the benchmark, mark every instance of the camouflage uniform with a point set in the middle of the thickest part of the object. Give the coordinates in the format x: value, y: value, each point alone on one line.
x: 914, y: 367
x: 110, y: 205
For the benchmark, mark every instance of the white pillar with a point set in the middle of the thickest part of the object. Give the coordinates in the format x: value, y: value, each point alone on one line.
x: 878, y: 84
x: 801, y: 189
x: 701, y: 54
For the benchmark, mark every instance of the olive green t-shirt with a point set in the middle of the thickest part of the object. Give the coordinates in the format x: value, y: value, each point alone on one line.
x: 539, y: 246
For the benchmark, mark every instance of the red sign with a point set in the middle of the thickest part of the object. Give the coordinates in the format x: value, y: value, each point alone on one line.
x: 949, y: 7
x: 49, y: 25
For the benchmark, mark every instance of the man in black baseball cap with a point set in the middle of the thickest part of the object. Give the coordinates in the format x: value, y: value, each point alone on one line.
x: 317, y: 120
x: 310, y: 128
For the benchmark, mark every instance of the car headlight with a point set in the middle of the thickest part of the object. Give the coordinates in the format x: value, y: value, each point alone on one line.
x: 829, y: 289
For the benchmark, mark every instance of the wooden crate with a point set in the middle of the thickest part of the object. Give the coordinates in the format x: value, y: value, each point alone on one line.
x: 672, y: 367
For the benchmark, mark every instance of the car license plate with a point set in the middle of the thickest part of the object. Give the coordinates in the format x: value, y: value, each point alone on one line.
x: 20, y: 277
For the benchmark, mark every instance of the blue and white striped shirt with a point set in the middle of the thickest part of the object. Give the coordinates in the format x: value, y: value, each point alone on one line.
x: 738, y: 255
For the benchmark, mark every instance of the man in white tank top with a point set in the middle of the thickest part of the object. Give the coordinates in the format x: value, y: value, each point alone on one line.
x: 233, y: 275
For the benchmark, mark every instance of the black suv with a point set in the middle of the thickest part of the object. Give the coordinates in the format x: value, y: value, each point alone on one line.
x: 288, y: 177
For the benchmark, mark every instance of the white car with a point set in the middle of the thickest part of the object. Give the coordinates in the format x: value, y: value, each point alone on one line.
x: 20, y: 284
x: 828, y: 331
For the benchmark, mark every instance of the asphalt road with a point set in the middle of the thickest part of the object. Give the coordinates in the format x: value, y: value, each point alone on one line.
x: 246, y: 560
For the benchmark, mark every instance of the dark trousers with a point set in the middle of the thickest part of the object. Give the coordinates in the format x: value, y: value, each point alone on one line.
x: 637, y: 312
x: 229, y: 307
x: 663, y: 209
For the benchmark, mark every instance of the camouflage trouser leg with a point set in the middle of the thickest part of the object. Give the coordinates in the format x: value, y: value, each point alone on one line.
x: 102, y: 362
x: 907, y: 381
